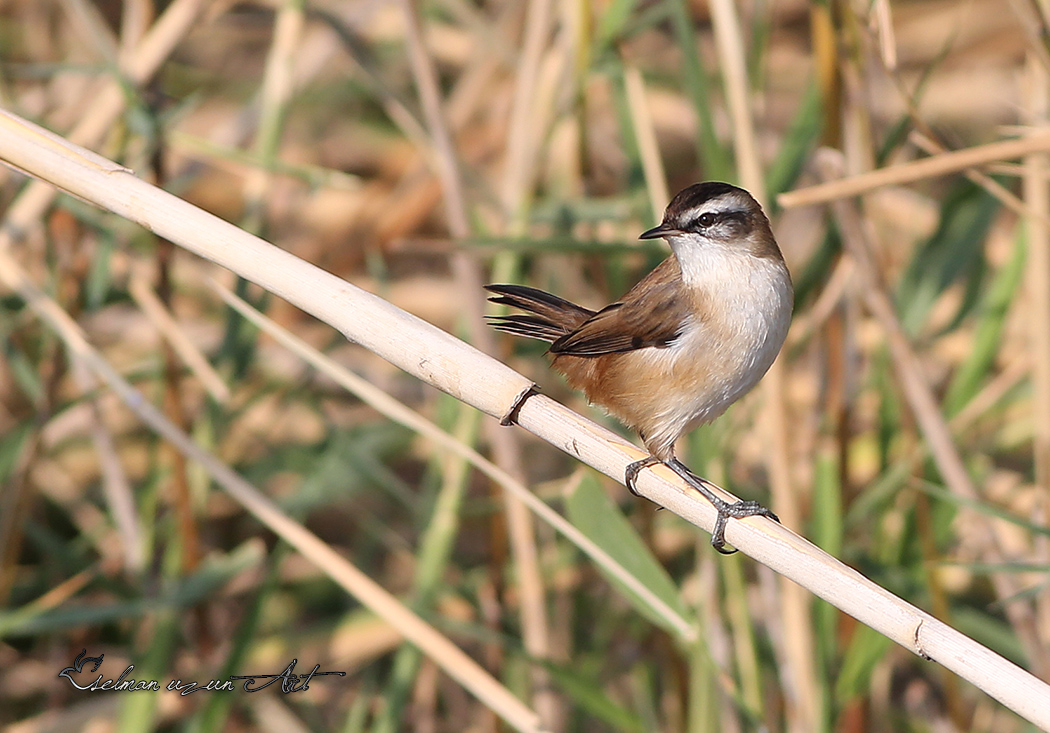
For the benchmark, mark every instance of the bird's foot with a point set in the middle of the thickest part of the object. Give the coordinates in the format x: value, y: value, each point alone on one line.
x: 630, y: 474
x: 726, y: 510
x: 511, y: 416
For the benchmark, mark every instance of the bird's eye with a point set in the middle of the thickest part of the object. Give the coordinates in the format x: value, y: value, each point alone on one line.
x: 706, y: 220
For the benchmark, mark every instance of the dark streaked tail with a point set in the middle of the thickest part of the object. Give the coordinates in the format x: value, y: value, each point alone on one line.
x: 552, y: 318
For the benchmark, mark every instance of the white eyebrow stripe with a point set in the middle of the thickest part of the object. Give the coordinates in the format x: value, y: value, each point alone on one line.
x: 722, y: 205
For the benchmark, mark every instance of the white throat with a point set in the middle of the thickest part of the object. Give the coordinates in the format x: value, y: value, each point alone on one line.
x: 753, y: 294
x: 712, y: 263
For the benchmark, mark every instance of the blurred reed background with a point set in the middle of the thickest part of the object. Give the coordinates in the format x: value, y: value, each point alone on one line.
x: 555, y: 134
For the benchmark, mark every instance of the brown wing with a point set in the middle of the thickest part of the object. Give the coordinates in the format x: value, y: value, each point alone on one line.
x: 650, y: 315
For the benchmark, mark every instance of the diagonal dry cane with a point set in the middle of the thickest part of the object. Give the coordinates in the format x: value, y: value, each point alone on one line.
x: 457, y: 368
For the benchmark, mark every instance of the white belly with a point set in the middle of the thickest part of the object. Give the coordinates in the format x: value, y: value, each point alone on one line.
x: 717, y: 360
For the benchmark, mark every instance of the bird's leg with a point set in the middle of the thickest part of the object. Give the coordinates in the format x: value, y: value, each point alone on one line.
x: 726, y: 511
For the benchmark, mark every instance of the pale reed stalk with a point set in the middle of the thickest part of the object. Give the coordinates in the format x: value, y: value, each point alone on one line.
x: 462, y: 371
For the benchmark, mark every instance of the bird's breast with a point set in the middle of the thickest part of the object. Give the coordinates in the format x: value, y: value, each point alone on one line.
x: 725, y: 346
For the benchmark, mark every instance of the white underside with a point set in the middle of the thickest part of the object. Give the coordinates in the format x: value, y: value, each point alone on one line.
x: 755, y: 299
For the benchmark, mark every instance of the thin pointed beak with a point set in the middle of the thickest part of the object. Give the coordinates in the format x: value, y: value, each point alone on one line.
x: 659, y: 231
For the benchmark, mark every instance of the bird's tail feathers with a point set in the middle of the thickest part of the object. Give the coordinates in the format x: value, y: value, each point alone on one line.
x: 552, y: 317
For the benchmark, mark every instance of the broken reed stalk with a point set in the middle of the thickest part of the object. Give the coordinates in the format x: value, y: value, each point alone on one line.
x: 937, y: 165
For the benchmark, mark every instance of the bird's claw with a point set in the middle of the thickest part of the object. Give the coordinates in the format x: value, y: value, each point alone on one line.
x: 630, y: 474
x: 725, y: 510
x: 736, y: 510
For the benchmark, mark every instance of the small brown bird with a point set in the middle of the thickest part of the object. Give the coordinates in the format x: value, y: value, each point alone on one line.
x: 695, y: 335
